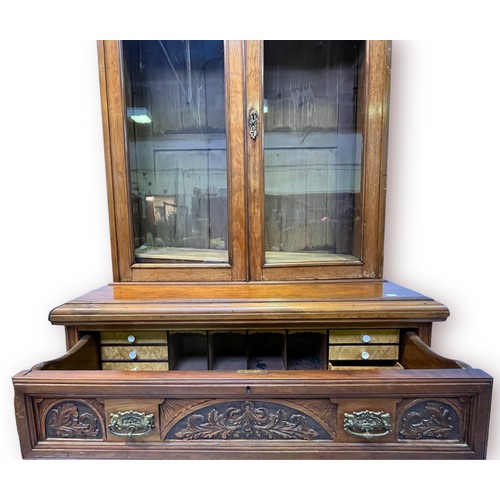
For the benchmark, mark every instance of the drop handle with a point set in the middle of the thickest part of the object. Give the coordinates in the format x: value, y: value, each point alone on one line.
x: 367, y: 424
x: 253, y: 121
x: 131, y: 423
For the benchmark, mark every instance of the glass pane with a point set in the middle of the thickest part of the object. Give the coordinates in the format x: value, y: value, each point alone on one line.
x: 312, y: 150
x: 176, y: 140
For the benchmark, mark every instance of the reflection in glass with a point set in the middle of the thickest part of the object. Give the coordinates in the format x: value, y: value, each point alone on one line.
x: 312, y: 150
x: 176, y: 141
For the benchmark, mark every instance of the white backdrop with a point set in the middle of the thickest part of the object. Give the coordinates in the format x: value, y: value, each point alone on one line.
x: 442, y: 201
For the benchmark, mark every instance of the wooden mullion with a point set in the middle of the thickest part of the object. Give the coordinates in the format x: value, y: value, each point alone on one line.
x: 255, y: 159
x: 237, y: 222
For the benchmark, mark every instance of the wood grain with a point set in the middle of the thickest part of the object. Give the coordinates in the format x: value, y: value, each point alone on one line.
x: 353, y: 390
x: 250, y: 305
x: 146, y: 353
x: 132, y: 338
x: 357, y: 336
x: 355, y: 352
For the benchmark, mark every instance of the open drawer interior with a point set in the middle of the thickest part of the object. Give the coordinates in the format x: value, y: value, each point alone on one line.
x: 191, y: 395
x: 253, y: 350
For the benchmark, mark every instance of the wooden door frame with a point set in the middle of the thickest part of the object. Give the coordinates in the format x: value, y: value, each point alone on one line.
x: 118, y: 181
x: 374, y: 126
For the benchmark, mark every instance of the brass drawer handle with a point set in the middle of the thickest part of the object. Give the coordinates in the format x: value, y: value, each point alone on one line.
x: 253, y: 120
x: 130, y: 423
x: 367, y: 424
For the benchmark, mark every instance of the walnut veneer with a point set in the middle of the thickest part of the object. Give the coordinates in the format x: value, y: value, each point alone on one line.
x: 269, y: 354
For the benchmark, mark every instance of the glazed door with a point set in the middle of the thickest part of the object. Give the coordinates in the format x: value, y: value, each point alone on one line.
x: 316, y: 158
x: 237, y: 161
x: 175, y: 121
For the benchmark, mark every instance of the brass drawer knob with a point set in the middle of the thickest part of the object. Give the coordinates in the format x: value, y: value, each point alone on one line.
x: 366, y: 339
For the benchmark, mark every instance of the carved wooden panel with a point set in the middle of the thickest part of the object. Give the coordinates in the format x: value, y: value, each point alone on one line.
x: 172, y: 410
x: 252, y: 420
x: 72, y: 420
x: 431, y: 420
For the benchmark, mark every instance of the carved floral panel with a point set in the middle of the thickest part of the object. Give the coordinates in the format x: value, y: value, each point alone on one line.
x: 254, y: 420
x: 73, y: 420
x: 430, y: 420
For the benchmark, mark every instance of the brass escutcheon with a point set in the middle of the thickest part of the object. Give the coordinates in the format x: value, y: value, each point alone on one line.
x: 253, y: 120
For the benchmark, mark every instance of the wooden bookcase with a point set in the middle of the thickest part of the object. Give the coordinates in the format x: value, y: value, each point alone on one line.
x: 248, y: 316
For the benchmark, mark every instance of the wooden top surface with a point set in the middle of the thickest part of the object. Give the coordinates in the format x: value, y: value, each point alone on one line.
x: 249, y: 303
x: 283, y: 382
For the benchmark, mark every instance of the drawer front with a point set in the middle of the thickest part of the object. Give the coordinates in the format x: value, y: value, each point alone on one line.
x: 135, y: 367
x: 364, y: 336
x: 134, y: 337
x: 134, y: 353
x: 366, y: 366
x: 359, y: 415
x: 363, y: 352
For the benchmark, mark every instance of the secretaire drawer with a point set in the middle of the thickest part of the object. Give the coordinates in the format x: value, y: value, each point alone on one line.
x: 347, y: 414
x: 431, y: 407
x: 364, y: 336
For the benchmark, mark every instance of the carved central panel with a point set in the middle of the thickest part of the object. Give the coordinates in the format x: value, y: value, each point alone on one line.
x: 255, y: 420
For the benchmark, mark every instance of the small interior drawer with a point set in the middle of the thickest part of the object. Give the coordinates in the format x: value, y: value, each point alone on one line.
x: 363, y: 352
x: 364, y: 336
x: 151, y: 337
x: 135, y: 353
x: 135, y: 367
x: 392, y: 365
